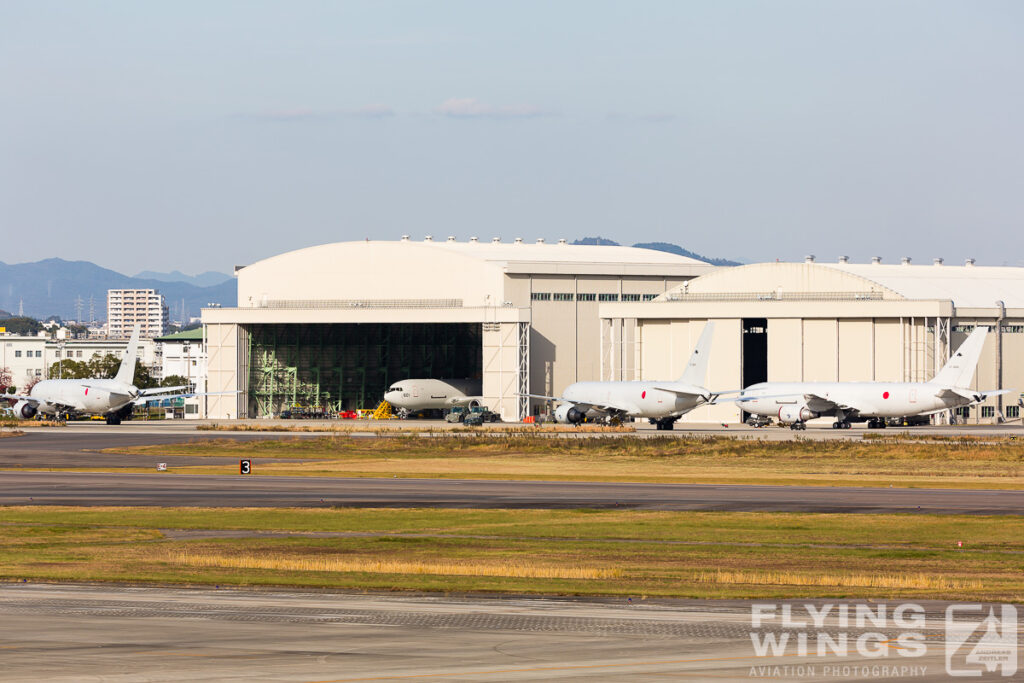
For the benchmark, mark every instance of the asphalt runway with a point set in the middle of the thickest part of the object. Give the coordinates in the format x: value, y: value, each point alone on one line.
x: 167, y: 489
x: 81, y: 632
x: 78, y: 445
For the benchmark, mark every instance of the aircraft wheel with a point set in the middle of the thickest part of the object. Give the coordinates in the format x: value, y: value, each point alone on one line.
x: 835, y: 425
x: 846, y: 424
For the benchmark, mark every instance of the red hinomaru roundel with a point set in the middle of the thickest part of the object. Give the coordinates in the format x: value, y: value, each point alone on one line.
x: 885, y: 394
x: 643, y: 395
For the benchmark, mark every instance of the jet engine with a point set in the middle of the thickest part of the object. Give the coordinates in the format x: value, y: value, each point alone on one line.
x: 795, y: 413
x: 567, y: 413
x: 25, y: 410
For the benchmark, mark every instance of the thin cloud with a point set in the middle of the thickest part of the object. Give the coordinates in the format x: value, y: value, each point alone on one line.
x: 369, y: 111
x: 642, y: 118
x: 472, y: 108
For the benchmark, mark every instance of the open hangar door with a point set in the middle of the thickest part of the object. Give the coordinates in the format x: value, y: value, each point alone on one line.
x: 348, y: 366
x: 755, y: 354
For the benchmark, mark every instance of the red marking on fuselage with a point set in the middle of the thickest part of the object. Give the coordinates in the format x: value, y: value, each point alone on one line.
x: 643, y: 395
x: 87, y: 391
x: 885, y: 394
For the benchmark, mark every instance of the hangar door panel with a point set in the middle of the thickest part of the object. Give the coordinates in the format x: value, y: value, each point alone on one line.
x: 655, y: 354
x: 785, y: 350
x: 888, y: 351
x: 855, y: 350
x: 821, y: 351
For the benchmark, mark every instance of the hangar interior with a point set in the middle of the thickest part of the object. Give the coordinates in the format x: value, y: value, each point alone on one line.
x: 346, y: 366
x: 814, y: 321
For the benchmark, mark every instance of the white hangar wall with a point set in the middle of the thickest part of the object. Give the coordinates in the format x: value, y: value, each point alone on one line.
x: 826, y: 322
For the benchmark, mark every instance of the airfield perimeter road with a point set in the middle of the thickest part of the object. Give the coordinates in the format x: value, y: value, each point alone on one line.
x: 81, y: 632
x: 22, y: 483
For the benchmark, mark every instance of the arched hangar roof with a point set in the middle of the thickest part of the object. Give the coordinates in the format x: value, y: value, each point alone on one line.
x: 429, y: 269
x: 967, y: 286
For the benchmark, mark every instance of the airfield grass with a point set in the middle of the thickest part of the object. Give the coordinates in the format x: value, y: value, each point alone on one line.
x: 565, y: 552
x: 894, y: 461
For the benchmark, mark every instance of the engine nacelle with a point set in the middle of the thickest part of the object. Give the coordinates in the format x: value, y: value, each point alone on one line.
x: 567, y: 413
x: 794, y: 413
x: 25, y: 410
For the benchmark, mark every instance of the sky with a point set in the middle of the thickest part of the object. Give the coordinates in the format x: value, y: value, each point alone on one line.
x: 203, y: 135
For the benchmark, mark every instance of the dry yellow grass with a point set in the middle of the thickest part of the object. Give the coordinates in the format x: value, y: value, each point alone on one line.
x: 372, y: 566
x: 914, y: 581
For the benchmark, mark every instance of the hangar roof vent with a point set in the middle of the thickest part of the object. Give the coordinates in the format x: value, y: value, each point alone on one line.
x: 474, y: 240
x: 495, y: 240
x: 428, y: 238
x: 937, y: 261
x: 540, y: 240
x: 876, y: 260
x: 562, y: 241
x: 809, y: 258
x: 405, y: 238
x: 969, y: 262
x: 519, y: 240
x: 844, y: 259
x: 905, y: 261
x: 451, y: 238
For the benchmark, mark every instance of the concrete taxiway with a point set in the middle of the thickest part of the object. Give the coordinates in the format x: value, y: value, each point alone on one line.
x: 165, y: 489
x: 77, y: 632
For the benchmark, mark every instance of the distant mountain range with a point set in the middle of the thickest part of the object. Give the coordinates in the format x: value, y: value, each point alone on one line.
x: 52, y: 286
x: 659, y: 246
x: 208, y: 279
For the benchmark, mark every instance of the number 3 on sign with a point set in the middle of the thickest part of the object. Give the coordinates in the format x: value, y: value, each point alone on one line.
x: 245, y: 466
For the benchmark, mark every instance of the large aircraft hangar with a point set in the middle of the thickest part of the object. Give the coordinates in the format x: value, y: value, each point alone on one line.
x: 332, y: 326
x: 816, y: 321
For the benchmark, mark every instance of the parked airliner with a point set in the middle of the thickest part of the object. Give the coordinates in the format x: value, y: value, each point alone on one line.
x: 794, y: 403
x: 411, y: 395
x: 112, y: 398
x: 662, y: 402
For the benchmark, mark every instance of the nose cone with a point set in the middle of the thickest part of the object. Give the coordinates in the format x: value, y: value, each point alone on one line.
x: 393, y: 397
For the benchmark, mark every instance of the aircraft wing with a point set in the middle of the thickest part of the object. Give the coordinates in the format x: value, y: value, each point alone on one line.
x: 19, y: 397
x: 143, y: 400
x: 821, y: 404
x: 161, y: 390
x: 581, y: 405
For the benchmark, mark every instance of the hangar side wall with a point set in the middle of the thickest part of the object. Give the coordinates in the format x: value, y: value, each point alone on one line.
x: 565, y: 345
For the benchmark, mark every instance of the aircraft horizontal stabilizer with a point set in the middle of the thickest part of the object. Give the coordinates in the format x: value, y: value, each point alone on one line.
x: 969, y: 395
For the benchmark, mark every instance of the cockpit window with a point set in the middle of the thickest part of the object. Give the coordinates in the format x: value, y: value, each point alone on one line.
x: 396, y: 388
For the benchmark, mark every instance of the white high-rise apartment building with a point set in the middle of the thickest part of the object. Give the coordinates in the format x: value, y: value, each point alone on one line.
x: 126, y: 307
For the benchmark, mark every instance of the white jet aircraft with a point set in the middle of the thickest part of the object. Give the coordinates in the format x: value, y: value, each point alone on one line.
x: 411, y: 395
x: 662, y: 402
x: 112, y: 398
x: 794, y: 403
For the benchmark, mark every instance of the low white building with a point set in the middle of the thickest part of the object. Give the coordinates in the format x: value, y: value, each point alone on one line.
x: 24, y: 358
x: 184, y: 355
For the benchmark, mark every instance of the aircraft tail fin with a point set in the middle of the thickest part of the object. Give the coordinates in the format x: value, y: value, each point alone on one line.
x: 959, y: 369
x: 126, y: 373
x: 697, y: 367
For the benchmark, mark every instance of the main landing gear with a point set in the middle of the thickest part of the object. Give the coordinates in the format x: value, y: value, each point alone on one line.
x: 841, y: 424
x: 664, y: 424
x: 113, y: 419
x: 799, y: 426
x: 876, y: 423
